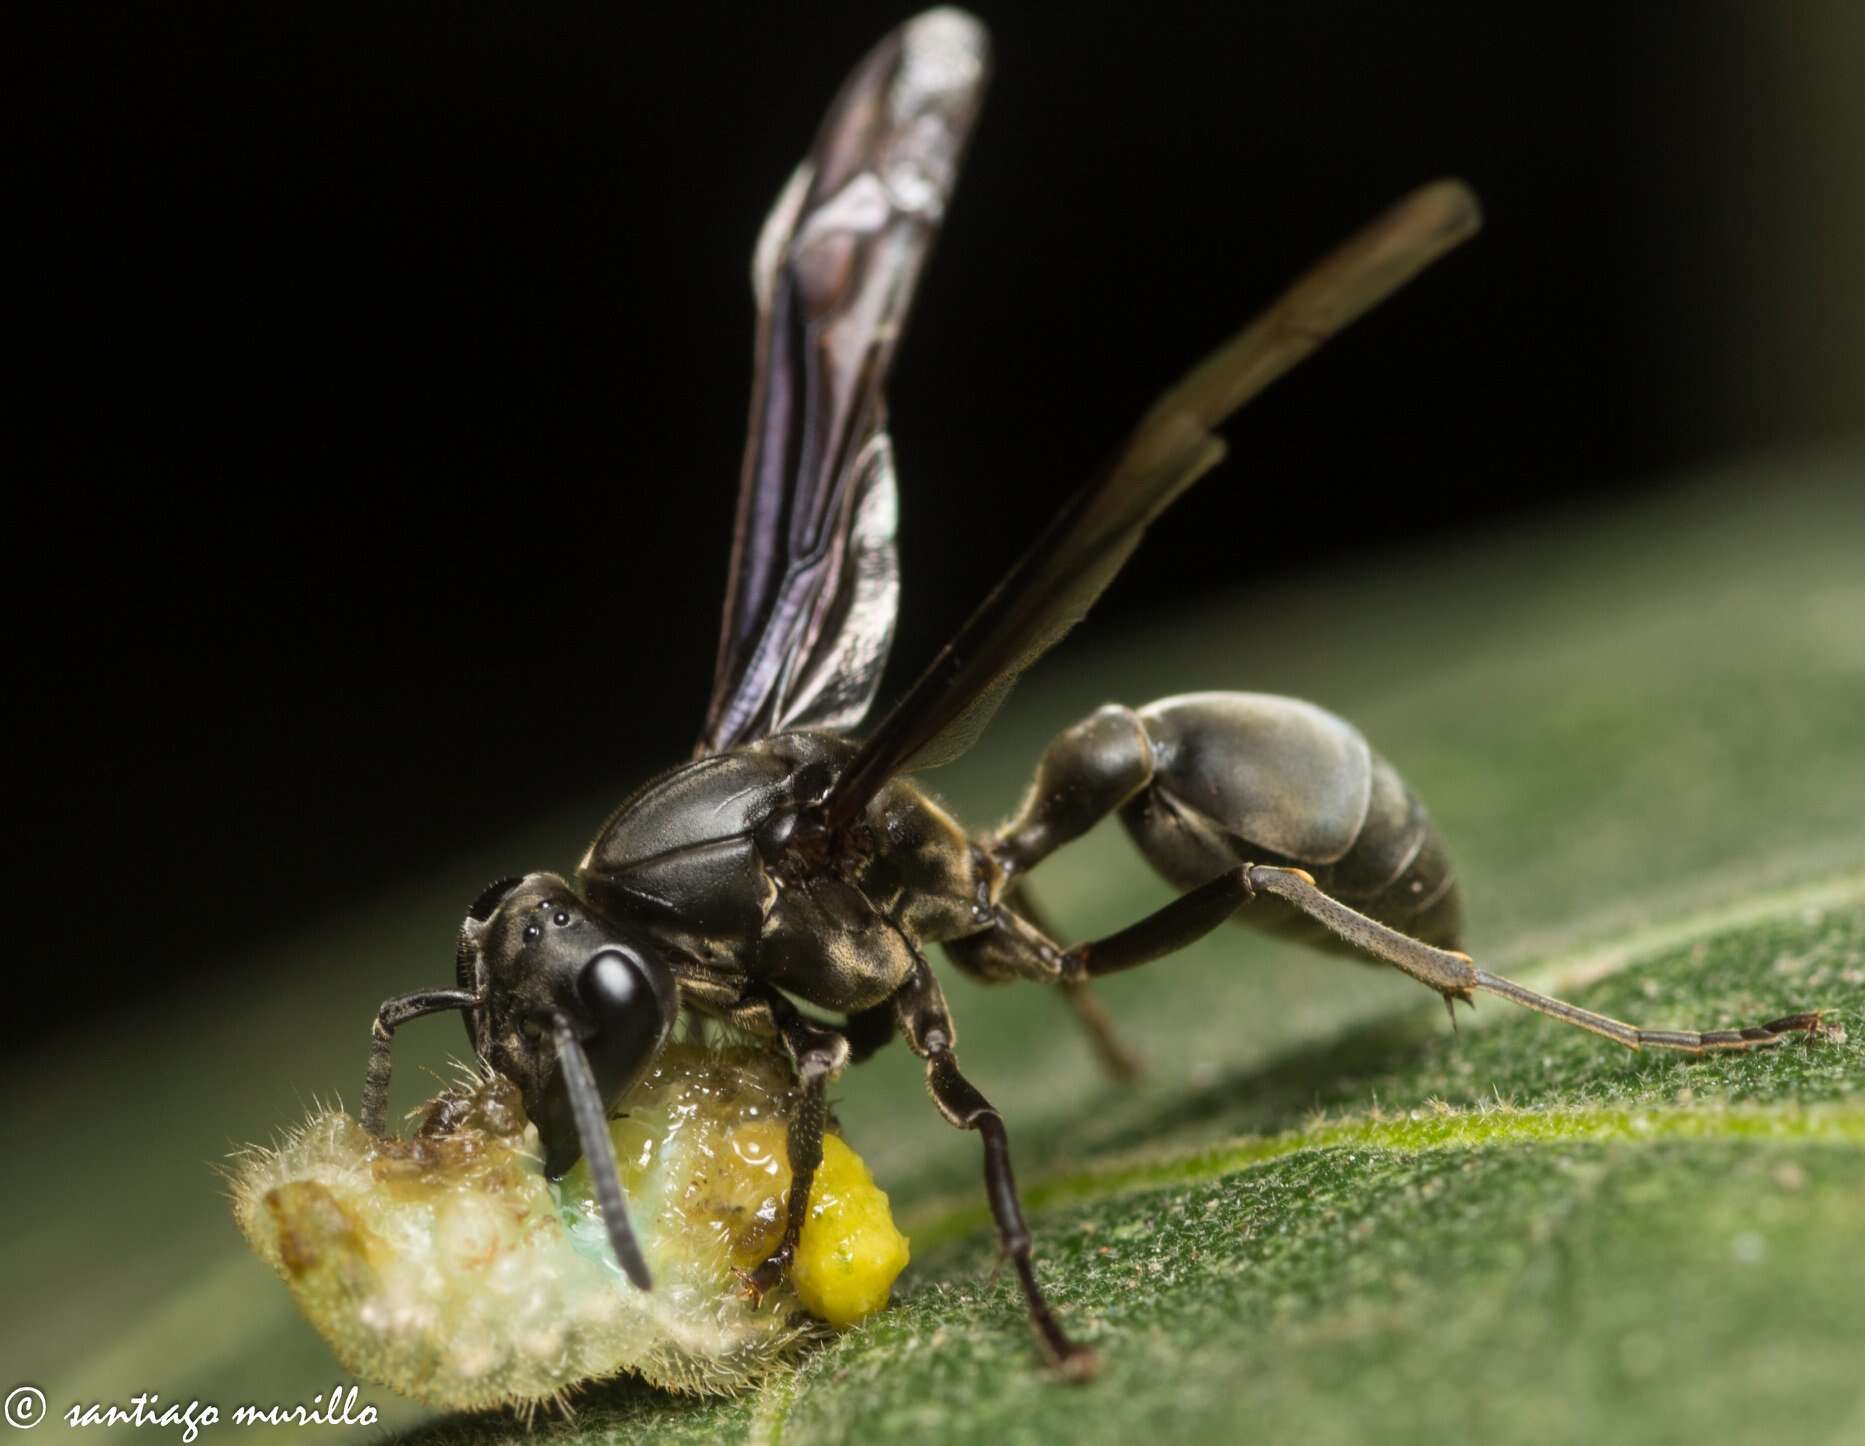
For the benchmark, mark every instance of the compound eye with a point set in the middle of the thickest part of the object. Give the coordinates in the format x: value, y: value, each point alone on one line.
x: 613, y: 983
x: 631, y: 1000
x: 628, y: 1002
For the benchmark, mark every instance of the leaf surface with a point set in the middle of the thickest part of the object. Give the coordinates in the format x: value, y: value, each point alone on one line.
x: 1319, y: 1214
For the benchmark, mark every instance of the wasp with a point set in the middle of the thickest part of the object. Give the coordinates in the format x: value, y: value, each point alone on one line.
x: 795, y: 861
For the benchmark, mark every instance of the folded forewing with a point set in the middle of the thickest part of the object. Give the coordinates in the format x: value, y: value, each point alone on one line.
x: 814, y: 582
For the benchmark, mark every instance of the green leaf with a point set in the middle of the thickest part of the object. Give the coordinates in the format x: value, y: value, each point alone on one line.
x: 1320, y: 1214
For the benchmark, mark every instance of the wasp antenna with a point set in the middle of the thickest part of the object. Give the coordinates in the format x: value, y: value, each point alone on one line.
x: 592, y: 1130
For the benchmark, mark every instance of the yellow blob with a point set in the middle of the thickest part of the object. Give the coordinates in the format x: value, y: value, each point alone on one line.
x: 849, y: 1252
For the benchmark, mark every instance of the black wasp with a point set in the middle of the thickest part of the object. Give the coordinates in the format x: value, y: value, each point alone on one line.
x: 793, y: 860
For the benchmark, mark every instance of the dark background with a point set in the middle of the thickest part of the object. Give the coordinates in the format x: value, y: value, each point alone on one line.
x: 379, y: 374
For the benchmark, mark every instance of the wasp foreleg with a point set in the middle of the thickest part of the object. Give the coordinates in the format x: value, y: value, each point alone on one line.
x: 818, y: 1054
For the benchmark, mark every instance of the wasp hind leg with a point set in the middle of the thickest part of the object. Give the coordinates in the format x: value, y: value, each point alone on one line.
x: 1118, y: 1059
x: 1015, y: 943
x: 1086, y: 774
x: 1191, y: 757
x: 1451, y: 973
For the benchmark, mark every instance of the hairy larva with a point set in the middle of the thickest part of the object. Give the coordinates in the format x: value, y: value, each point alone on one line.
x: 447, y: 1267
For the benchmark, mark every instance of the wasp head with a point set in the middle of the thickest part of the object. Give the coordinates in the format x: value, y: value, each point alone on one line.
x: 572, y: 1009
x: 545, y: 963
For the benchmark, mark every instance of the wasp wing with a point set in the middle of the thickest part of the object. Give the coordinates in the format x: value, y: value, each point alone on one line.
x: 814, y: 582
x: 1053, y: 585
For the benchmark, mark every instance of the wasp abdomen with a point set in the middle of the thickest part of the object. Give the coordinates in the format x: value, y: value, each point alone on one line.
x: 1251, y: 778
